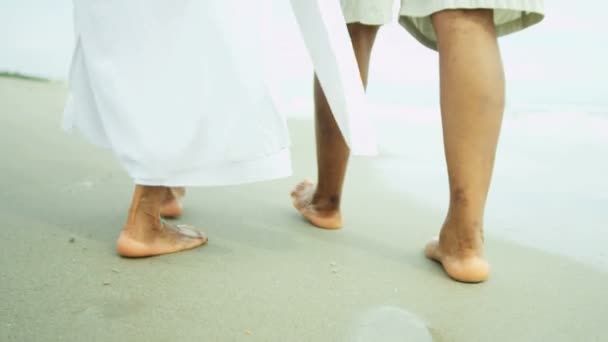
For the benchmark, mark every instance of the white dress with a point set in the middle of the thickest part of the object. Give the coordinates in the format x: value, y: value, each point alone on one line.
x: 177, y: 90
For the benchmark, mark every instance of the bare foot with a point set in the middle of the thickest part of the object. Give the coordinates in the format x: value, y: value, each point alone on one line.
x: 460, y: 255
x: 145, y: 234
x: 319, y: 211
x: 165, y: 239
x: 171, y: 206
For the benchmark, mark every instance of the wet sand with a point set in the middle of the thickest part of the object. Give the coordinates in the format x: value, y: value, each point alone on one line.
x: 266, y: 275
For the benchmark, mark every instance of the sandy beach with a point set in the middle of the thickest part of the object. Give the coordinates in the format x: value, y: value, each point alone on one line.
x: 266, y: 275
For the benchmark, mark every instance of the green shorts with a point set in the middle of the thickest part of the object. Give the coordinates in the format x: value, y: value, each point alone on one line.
x: 415, y: 15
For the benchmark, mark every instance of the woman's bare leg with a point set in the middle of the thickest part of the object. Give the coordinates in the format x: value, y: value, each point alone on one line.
x: 320, y: 203
x: 472, y: 104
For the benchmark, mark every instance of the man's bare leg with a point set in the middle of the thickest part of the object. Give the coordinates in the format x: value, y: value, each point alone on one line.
x: 145, y: 234
x: 320, y: 203
x: 171, y: 205
x: 472, y: 104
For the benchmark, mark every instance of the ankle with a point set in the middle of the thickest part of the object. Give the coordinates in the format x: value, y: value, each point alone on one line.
x: 465, y: 235
x: 326, y: 202
x: 145, y: 208
x: 464, y: 221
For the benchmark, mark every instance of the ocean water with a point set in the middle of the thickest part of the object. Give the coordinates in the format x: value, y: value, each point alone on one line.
x: 549, y: 190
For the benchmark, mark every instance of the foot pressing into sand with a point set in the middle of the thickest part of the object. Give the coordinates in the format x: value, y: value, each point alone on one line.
x: 145, y: 234
x: 321, y: 211
x: 459, y: 249
x: 163, y: 238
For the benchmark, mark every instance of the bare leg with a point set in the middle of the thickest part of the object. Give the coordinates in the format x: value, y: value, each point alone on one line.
x: 171, y: 206
x: 472, y: 104
x: 320, y: 203
x: 145, y: 235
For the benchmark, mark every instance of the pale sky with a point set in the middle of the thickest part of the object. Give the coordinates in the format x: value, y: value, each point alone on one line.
x: 562, y: 60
